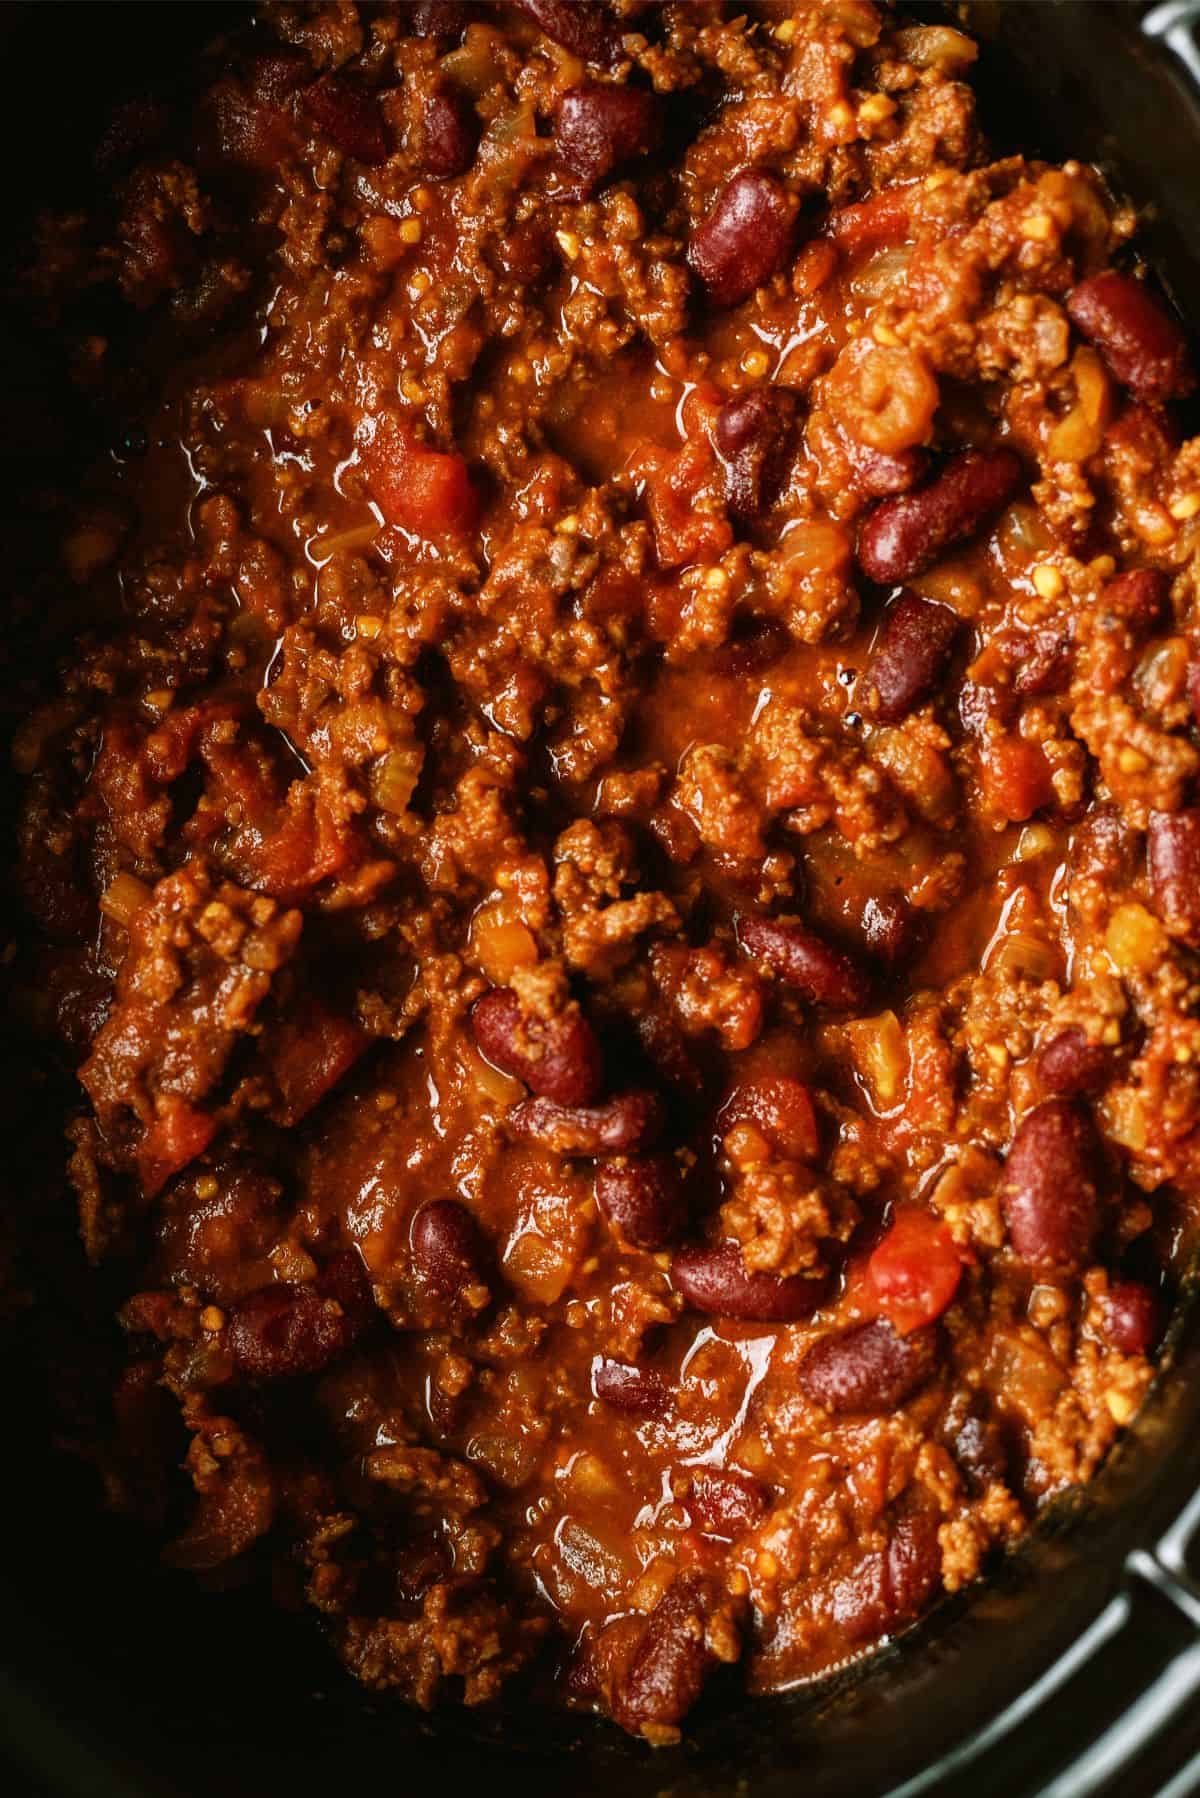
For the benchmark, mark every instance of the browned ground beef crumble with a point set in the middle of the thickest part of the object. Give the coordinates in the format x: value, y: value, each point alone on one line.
x: 617, y: 846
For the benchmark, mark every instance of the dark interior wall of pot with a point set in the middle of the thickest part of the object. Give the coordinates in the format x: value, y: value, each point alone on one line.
x: 116, y: 1678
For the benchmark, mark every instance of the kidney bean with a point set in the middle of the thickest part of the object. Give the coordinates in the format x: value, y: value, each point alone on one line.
x: 584, y: 27
x: 599, y: 128
x: 977, y: 1444
x: 271, y: 78
x: 779, y: 1105
x: 1044, y: 663
x: 892, y: 929
x: 451, y: 133
x: 1141, y: 342
x: 1049, y: 1193
x: 642, y: 1197
x: 1132, y: 1317
x: 558, y: 1058
x: 436, y: 18
x: 618, y: 1127
x: 913, y: 649
x: 350, y: 115
x: 289, y: 1329
x: 1070, y: 1063
x: 752, y: 434
x: 629, y: 1388
x: 902, y: 536
x: 890, y: 1588
x: 725, y: 1502
x: 879, y: 474
x: 868, y: 1367
x: 716, y: 1281
x: 668, y: 1669
x: 448, y: 1247
x: 1173, y: 846
x: 755, y: 650
x: 1139, y: 597
x: 744, y: 238
x: 803, y: 960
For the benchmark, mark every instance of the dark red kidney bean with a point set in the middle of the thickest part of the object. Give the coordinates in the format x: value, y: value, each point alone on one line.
x: 891, y: 928
x: 755, y: 650
x: 1132, y: 1317
x: 1043, y: 663
x: 803, y: 960
x: 752, y: 434
x: 629, y: 1388
x: 744, y: 238
x: 273, y: 77
x: 978, y: 1447
x: 350, y: 115
x: 716, y: 1281
x: 289, y: 1329
x: 1173, y: 846
x: 558, y: 1058
x: 1070, y: 1063
x: 878, y: 474
x: 890, y: 1588
x: 448, y: 1247
x: 1142, y: 344
x: 913, y: 649
x: 599, y: 128
x: 668, y: 1669
x: 1193, y: 687
x: 584, y: 27
x: 979, y: 703
x: 620, y: 1126
x: 902, y: 536
x: 1049, y: 1192
x: 725, y: 1502
x: 868, y: 1368
x: 642, y: 1197
x: 451, y: 134
x: 436, y: 18
x: 1139, y: 596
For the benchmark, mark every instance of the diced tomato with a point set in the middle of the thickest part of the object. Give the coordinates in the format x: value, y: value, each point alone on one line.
x: 178, y: 1134
x: 308, y: 1056
x: 780, y: 1107
x: 913, y: 1274
x: 293, y: 855
x: 424, y: 491
x: 1016, y: 777
x: 682, y: 532
x: 879, y: 223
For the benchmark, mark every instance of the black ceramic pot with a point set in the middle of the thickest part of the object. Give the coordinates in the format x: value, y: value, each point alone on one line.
x: 1074, y: 1671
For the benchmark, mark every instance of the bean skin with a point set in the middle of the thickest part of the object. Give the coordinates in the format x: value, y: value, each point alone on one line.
x: 890, y: 1587
x: 892, y: 929
x: 725, y: 1502
x: 1070, y: 1063
x: 599, y: 128
x: 755, y: 650
x: 288, y: 1329
x: 717, y: 1282
x: 803, y: 960
x: 752, y: 435
x: 869, y: 1368
x: 1139, y: 597
x: 620, y: 1126
x: 1049, y: 1194
x: 642, y: 1197
x: 667, y: 1672
x: 558, y: 1058
x: 1142, y: 344
x: 451, y: 134
x: 779, y: 1106
x: 903, y: 536
x: 584, y: 27
x: 878, y: 474
x: 1173, y: 850
x: 1044, y: 664
x: 626, y: 1387
x: 1132, y: 1317
x: 447, y: 1247
x: 744, y: 238
x: 350, y: 115
x: 436, y: 18
x: 913, y: 649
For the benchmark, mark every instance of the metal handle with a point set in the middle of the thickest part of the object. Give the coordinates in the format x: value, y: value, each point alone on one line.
x: 1176, y: 25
